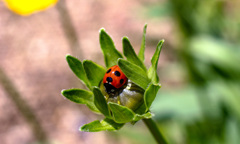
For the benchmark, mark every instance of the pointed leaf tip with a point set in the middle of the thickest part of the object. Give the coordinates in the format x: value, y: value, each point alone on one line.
x: 152, y: 71
x: 77, y: 68
x: 130, y: 54
x: 143, y: 44
x: 102, y: 29
x: 111, y: 54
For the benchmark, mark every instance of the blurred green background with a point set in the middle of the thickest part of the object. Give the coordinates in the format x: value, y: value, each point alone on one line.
x: 199, y: 102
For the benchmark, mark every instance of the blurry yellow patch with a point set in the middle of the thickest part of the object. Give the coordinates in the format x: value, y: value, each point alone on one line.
x: 27, y: 7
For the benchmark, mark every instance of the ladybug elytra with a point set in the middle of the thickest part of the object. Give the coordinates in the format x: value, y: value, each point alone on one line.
x: 114, y: 79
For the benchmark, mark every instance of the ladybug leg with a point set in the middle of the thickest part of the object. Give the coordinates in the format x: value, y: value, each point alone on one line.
x: 118, y: 100
x: 106, y: 97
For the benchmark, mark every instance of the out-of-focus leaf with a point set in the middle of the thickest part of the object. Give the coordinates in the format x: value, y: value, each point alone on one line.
x: 130, y: 54
x: 111, y: 54
x: 232, y: 131
x: 77, y: 68
x: 143, y: 44
x: 136, y: 134
x: 94, y: 72
x: 180, y: 104
x: 27, y: 7
x: 227, y: 93
x: 215, y: 57
x: 135, y: 73
x: 100, y: 102
x: 152, y: 71
x: 81, y: 96
x: 150, y: 95
x: 104, y: 125
x: 120, y: 113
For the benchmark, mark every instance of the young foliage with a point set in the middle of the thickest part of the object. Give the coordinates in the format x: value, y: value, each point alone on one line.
x: 134, y: 73
x: 80, y: 96
x: 103, y: 125
x: 100, y: 102
x: 150, y: 95
x: 143, y: 44
x: 130, y: 54
x: 130, y: 104
x: 94, y: 72
x: 77, y: 68
x: 152, y: 71
x: 111, y: 54
x: 121, y: 114
x: 138, y: 117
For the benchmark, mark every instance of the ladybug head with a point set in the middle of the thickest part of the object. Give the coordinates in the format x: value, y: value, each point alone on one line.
x: 109, y: 88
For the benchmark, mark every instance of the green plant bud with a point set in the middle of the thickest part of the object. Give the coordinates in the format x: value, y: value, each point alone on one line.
x: 130, y: 95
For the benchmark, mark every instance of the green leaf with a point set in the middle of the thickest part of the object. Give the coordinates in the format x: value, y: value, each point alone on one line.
x: 150, y: 95
x: 130, y: 54
x: 94, y: 72
x: 104, y: 125
x: 152, y: 71
x: 232, y: 131
x: 80, y: 96
x: 111, y: 54
x: 138, y: 117
x: 100, y: 102
x: 121, y: 114
x: 143, y: 45
x: 134, y: 73
x: 141, y: 110
x: 77, y: 68
x: 182, y: 104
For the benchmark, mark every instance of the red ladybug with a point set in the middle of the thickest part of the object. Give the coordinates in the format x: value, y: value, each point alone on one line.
x: 114, y: 79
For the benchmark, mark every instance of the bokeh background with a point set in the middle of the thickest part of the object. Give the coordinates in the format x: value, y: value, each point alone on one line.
x: 199, y: 102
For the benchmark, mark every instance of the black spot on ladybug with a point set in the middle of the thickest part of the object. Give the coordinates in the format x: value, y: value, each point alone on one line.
x: 117, y: 73
x: 109, y: 79
x: 121, y: 81
x: 108, y: 70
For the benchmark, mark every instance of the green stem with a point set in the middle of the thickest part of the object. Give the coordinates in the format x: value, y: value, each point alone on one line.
x: 152, y: 126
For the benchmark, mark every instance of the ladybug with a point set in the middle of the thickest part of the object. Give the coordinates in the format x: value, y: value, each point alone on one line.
x: 114, y: 79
